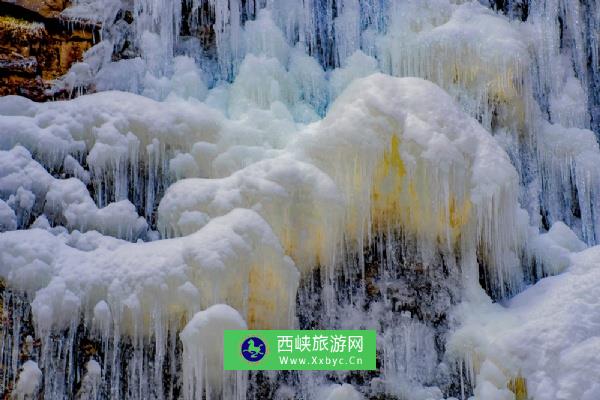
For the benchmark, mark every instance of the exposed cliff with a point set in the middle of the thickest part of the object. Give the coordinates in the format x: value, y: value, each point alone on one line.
x: 38, y: 44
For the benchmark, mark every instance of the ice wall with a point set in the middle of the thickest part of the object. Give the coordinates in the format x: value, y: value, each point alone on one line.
x: 132, y: 296
x: 267, y: 155
x: 511, y: 74
x: 320, y: 194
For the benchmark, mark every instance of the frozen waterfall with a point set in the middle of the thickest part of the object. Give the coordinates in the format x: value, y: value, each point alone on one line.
x: 429, y: 169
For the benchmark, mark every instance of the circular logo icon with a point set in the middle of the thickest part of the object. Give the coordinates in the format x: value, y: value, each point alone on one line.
x: 253, y: 349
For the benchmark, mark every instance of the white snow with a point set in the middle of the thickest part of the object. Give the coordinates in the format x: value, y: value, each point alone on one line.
x: 380, y: 131
x: 202, y: 340
x: 70, y: 199
x: 548, y: 334
x: 379, y: 141
x: 29, y: 381
x: 382, y: 160
x: 138, y: 280
x: 358, y: 65
x: 30, y: 189
x: 91, y: 381
x: 20, y: 174
x: 300, y: 202
x: 553, y: 249
x: 339, y: 392
x: 290, y: 151
x: 569, y: 157
x: 8, y: 219
x: 476, y: 55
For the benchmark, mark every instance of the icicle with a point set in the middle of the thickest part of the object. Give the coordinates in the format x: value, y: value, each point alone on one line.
x: 202, y: 338
x: 29, y: 381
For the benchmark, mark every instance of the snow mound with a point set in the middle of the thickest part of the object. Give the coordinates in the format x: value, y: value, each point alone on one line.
x: 69, y: 202
x: 113, y: 133
x: 299, y: 201
x: 339, y: 392
x: 202, y: 340
x: 382, y: 159
x: 31, y: 190
x: 234, y: 259
x: 401, y: 164
x: 8, y: 218
x: 29, y: 381
x: 553, y: 249
x: 548, y: 335
x: 475, y: 54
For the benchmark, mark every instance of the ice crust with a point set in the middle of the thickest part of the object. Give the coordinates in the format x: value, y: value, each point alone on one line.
x: 380, y: 162
x: 165, y: 278
x: 547, y: 334
x: 196, y: 189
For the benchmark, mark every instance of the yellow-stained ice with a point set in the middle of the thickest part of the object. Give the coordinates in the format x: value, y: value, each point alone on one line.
x: 396, y: 202
x: 383, y: 160
x: 518, y: 386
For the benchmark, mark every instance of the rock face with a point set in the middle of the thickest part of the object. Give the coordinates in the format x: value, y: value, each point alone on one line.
x: 37, y: 46
x: 46, y: 8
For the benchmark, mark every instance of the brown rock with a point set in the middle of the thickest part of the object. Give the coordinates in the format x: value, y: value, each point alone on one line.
x: 35, y: 49
x: 46, y: 8
x: 18, y: 64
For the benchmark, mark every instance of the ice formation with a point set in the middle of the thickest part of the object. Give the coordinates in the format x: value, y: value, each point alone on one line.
x: 30, y: 378
x: 391, y: 165
x: 568, y: 158
x: 385, y: 142
x: 202, y: 340
x: 171, y: 277
x: 339, y: 392
x: 548, y: 334
x: 31, y: 190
